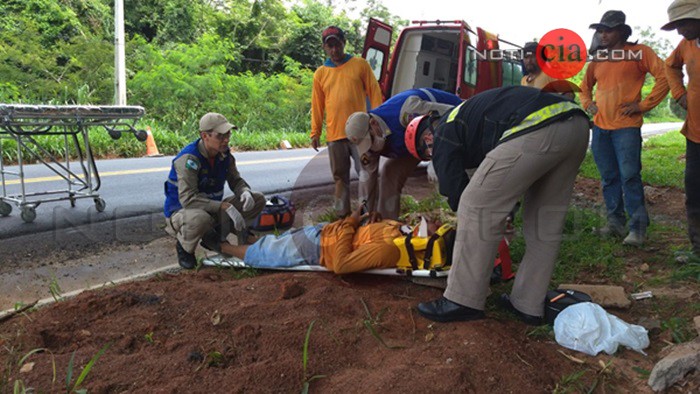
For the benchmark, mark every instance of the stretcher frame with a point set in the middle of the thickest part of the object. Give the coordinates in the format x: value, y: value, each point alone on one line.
x: 22, y: 123
x: 222, y: 261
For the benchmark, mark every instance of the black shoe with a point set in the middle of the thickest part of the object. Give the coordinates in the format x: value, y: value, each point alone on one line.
x: 444, y: 310
x: 211, y: 241
x: 530, y: 320
x: 186, y: 259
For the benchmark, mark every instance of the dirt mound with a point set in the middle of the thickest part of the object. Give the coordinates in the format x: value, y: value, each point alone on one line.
x: 210, y: 332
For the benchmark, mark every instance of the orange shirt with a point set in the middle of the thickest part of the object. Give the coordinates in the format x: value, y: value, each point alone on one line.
x: 539, y: 82
x: 688, y: 53
x: 620, y: 82
x: 340, y: 91
x: 346, y: 248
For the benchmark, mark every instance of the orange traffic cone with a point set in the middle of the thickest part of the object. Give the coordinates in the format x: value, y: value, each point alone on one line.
x: 151, y: 147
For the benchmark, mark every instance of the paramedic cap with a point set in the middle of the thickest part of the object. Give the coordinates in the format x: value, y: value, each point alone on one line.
x: 357, y: 131
x: 682, y: 9
x: 216, y: 123
x: 333, y: 32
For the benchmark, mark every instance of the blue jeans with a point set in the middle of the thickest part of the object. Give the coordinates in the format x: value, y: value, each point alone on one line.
x: 301, y: 246
x: 692, y: 193
x: 618, y: 155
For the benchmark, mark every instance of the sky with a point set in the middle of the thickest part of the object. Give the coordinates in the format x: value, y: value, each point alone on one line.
x: 522, y: 21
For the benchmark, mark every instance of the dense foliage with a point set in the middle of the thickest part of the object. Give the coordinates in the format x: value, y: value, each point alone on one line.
x: 252, y: 60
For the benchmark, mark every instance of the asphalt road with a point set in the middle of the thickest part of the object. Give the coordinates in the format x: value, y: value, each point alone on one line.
x: 134, y: 187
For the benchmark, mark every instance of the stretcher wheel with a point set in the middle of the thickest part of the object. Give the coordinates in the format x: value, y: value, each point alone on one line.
x: 141, y: 135
x: 115, y: 134
x: 100, y: 204
x: 5, y: 208
x: 28, y: 214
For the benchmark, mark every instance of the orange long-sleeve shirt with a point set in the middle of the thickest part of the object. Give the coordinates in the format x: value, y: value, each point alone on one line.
x: 339, y: 92
x: 539, y: 82
x: 688, y: 53
x: 346, y: 247
x: 620, y: 82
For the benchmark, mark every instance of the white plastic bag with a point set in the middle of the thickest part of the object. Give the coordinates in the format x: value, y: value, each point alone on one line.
x: 586, y: 327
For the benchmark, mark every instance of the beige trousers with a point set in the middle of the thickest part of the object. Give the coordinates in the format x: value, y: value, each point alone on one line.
x: 391, y: 179
x: 542, y: 167
x: 189, y: 225
x: 339, y: 154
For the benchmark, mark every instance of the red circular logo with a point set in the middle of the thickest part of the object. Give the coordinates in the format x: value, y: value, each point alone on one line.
x: 561, y: 53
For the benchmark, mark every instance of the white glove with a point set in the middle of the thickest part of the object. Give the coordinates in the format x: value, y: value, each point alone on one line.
x: 238, y: 221
x: 432, y: 176
x: 247, y: 201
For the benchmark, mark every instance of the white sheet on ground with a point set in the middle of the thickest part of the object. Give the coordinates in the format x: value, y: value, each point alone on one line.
x: 234, y: 262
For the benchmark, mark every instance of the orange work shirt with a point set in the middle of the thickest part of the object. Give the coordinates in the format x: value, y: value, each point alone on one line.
x: 688, y: 53
x: 340, y: 91
x: 620, y: 82
x: 346, y: 247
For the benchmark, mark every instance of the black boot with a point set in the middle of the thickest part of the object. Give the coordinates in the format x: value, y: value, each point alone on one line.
x: 184, y: 258
x: 444, y: 310
x: 211, y: 241
x: 531, y: 320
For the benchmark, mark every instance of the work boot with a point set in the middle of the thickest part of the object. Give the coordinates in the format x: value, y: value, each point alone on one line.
x: 444, y: 310
x: 504, y: 302
x: 612, y: 229
x: 211, y: 241
x: 634, y: 238
x: 185, y: 258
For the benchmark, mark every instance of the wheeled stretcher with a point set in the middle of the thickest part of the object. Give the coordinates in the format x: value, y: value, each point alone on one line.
x: 23, y: 123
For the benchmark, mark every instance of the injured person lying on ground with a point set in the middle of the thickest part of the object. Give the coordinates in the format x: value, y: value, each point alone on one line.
x: 343, y: 246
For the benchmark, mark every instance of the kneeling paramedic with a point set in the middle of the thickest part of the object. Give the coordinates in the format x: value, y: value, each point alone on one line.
x: 194, y: 203
x: 380, y: 132
x: 343, y: 246
x: 526, y: 143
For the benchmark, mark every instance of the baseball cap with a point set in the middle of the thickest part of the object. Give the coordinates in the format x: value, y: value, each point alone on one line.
x: 530, y: 48
x: 682, y: 9
x: 333, y: 32
x: 216, y: 123
x: 357, y: 131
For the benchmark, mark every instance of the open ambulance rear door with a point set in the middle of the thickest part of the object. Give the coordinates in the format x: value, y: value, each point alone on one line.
x: 376, y: 50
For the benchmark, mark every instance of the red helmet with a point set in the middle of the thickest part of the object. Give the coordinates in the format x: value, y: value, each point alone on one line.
x: 413, y: 132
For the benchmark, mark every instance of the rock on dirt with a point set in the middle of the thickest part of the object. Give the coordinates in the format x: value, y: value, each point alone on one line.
x: 674, y: 367
x: 605, y: 296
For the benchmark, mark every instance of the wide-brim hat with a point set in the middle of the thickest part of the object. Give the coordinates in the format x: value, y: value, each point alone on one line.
x: 680, y: 10
x: 611, y: 19
x: 357, y: 131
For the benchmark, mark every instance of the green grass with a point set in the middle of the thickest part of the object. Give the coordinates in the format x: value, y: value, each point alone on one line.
x: 434, y: 206
x: 582, y: 250
x: 169, y: 142
x: 663, y: 161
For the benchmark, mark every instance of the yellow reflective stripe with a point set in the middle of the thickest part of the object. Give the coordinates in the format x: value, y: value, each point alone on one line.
x: 540, y: 116
x: 453, y: 113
